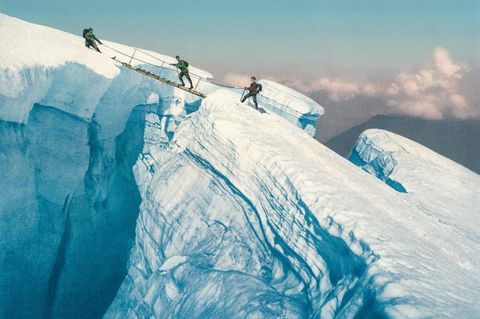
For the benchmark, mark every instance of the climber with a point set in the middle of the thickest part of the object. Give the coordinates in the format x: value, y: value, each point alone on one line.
x: 182, y: 65
x: 91, y: 39
x: 253, y: 90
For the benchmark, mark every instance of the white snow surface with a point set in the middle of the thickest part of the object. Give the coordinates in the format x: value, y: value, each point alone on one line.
x: 37, y: 64
x: 28, y: 45
x: 294, y: 100
x: 265, y: 216
x: 242, y: 214
x: 433, y: 181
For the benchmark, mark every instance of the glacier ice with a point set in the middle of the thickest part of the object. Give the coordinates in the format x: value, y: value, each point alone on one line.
x: 127, y: 198
x: 324, y: 239
x: 376, y: 161
x: 430, y: 178
x: 70, y: 134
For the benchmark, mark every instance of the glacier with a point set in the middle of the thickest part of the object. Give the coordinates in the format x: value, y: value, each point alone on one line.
x: 429, y: 178
x: 311, y: 235
x: 123, y: 197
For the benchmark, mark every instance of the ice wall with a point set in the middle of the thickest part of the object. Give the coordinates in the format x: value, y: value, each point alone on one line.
x: 69, y: 200
x: 71, y: 131
x: 291, y: 105
x: 208, y: 246
x: 234, y: 223
x: 375, y: 160
x: 239, y: 213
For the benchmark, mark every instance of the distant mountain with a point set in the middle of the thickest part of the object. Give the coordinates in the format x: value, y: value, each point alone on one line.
x: 456, y: 139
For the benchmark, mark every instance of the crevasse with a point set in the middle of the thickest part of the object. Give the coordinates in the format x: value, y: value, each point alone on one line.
x: 124, y: 197
x: 233, y: 223
x: 212, y: 243
x: 69, y: 140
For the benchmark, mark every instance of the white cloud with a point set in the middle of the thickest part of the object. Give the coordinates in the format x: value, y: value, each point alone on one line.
x: 433, y: 92
x: 236, y: 79
x: 337, y: 89
x: 445, y: 64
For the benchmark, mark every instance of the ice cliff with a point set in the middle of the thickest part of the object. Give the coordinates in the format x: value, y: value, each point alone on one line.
x: 125, y: 198
x: 433, y: 182
x: 234, y: 223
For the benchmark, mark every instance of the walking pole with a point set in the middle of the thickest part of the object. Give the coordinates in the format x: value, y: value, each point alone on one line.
x: 135, y: 50
x: 243, y: 93
x: 195, y: 88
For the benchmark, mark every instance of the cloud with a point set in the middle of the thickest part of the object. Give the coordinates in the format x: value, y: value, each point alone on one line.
x: 434, y: 91
x: 236, y: 79
x: 444, y: 63
x: 336, y: 88
x: 242, y: 80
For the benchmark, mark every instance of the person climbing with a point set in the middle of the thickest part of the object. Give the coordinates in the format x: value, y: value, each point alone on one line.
x: 91, y: 40
x: 253, y: 90
x: 182, y: 65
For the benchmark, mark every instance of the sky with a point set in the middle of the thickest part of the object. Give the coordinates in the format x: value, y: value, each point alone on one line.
x: 278, y: 38
x: 414, y: 57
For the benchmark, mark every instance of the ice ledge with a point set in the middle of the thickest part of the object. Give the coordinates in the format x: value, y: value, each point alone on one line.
x: 292, y: 105
x: 375, y: 160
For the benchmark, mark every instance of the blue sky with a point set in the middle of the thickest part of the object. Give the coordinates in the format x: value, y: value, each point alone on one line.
x: 299, y: 39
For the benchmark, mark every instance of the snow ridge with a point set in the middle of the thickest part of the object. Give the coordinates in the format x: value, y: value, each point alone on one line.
x: 430, y: 178
x: 229, y: 212
x: 263, y: 240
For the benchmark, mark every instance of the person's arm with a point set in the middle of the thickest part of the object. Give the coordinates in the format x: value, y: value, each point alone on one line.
x: 95, y: 37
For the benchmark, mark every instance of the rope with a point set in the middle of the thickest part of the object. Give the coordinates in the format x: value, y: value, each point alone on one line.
x: 194, y: 75
x: 163, y: 61
x: 137, y: 59
x: 227, y: 86
x: 200, y: 79
x: 116, y: 50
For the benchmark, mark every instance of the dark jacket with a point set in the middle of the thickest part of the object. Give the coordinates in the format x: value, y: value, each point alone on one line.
x: 254, y: 88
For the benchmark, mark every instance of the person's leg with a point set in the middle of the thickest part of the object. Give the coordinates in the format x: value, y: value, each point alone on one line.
x: 187, y: 74
x: 180, y: 76
x: 94, y: 45
x: 245, y: 97
x: 254, y: 98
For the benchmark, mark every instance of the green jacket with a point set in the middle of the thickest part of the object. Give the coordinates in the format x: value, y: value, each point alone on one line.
x: 90, y: 37
x: 182, y: 65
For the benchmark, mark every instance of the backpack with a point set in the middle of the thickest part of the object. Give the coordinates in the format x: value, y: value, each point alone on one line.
x: 85, y: 31
x: 259, y: 88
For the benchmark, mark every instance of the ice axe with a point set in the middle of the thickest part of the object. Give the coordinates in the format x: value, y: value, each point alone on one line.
x: 243, y: 93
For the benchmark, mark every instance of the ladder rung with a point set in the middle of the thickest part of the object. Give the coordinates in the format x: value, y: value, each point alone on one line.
x: 159, y: 78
